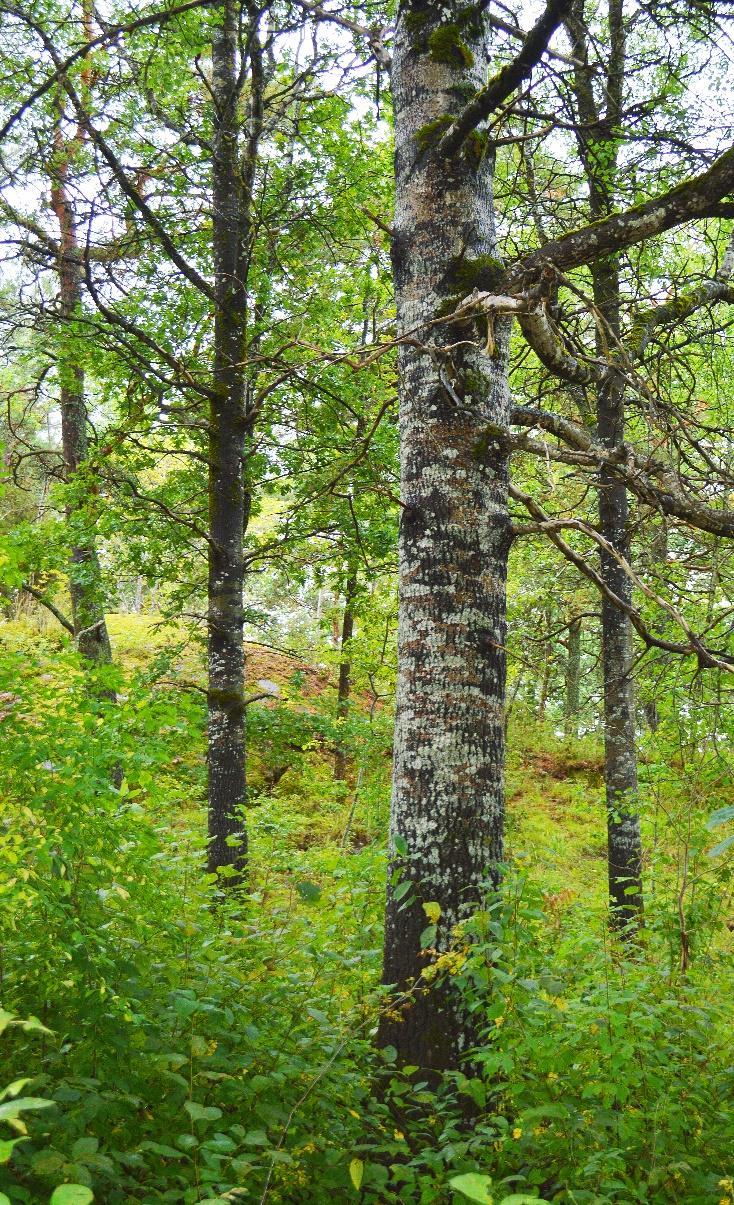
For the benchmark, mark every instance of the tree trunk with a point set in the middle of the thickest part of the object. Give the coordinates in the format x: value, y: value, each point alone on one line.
x: 447, y: 804
x: 545, y: 677
x: 228, y: 501
x: 345, y: 675
x: 620, y: 751
x: 573, y: 678
x: 85, y: 579
x: 599, y: 152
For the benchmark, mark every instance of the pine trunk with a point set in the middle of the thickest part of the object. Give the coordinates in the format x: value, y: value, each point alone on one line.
x: 447, y: 804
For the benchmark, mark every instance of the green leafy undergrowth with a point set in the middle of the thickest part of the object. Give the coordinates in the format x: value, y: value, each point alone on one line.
x: 191, y: 1049
x: 194, y: 1048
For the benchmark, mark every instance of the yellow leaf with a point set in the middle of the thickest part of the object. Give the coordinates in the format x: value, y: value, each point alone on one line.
x: 356, y: 1171
x: 433, y: 912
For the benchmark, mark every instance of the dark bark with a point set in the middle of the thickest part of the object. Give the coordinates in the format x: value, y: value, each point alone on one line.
x: 229, y: 432
x: 447, y: 806
x: 344, y: 690
x: 547, y: 670
x: 599, y: 156
x: 572, y: 701
x: 620, y: 753
x: 85, y: 580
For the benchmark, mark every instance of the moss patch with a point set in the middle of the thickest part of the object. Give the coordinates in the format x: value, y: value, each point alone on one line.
x: 475, y: 272
x: 430, y: 134
x: 446, y: 45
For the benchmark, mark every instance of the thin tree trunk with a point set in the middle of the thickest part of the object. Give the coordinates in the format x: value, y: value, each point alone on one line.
x: 599, y: 154
x: 545, y: 677
x: 573, y: 678
x: 85, y: 579
x: 447, y: 804
x: 620, y: 737
x: 345, y: 676
x: 228, y: 502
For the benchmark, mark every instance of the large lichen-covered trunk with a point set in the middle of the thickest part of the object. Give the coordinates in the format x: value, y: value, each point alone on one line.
x: 447, y: 807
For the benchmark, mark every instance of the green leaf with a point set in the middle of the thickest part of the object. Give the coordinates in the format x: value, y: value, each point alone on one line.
x: 308, y: 891
x: 47, y: 1163
x: 542, y: 1111
x: 13, y: 1089
x: 519, y: 1198
x: 473, y: 1186
x: 356, y: 1171
x: 401, y: 845
x: 184, y: 1006
x: 84, y: 1146
x: 13, y: 1108
x: 71, y: 1194
x: 158, y: 1148
x: 256, y: 1138
x: 33, y: 1025
x: 199, y: 1112
x: 5, y: 1200
x: 6, y: 1147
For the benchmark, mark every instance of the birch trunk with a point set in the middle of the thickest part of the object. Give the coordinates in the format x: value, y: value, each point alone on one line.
x: 447, y: 805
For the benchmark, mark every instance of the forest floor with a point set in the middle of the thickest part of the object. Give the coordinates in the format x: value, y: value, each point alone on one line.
x: 198, y: 1051
x: 555, y: 822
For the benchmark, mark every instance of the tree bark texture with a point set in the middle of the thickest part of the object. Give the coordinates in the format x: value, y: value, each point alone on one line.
x: 600, y: 157
x: 344, y: 689
x: 624, y: 842
x: 447, y: 804
x: 573, y: 678
x: 85, y: 579
x: 228, y: 499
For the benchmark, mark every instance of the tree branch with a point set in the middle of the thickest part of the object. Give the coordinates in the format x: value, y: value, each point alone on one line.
x: 507, y: 80
x: 630, y: 468
x: 694, y: 199
x: 45, y: 602
x: 707, y: 658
